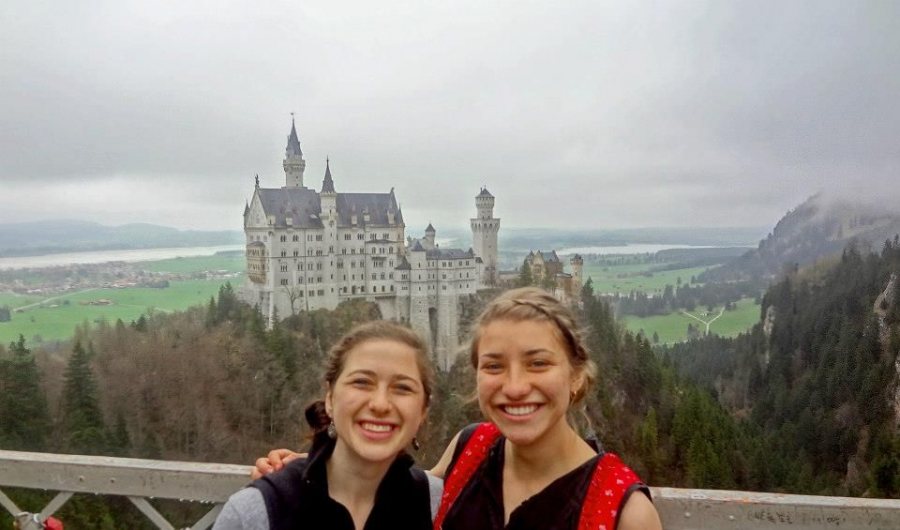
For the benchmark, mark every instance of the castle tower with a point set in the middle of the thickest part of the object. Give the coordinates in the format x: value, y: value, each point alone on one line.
x: 329, y: 217
x: 429, y: 237
x: 577, y: 263
x: 484, y: 235
x: 293, y: 160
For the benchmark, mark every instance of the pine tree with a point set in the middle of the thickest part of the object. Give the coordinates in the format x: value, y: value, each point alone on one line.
x: 82, y: 418
x: 525, y: 277
x: 24, y: 418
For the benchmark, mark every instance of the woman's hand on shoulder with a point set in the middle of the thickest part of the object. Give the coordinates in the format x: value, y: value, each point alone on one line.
x: 440, y: 469
x: 274, y: 461
x: 639, y: 514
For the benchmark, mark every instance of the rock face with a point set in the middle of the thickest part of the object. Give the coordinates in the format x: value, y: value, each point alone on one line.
x: 818, y: 228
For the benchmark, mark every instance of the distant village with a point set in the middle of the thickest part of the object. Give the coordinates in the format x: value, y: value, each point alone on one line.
x: 51, y: 281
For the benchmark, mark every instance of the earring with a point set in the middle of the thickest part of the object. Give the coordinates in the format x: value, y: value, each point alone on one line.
x: 331, y: 430
x: 415, y: 443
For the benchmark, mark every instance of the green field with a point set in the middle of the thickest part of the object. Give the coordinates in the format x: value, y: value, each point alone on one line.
x: 608, y: 279
x: 57, y: 317
x: 229, y: 262
x: 673, y: 327
x: 14, y: 300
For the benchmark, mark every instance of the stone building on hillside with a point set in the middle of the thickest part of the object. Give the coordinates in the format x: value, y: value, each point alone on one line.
x: 309, y: 249
x: 547, y: 270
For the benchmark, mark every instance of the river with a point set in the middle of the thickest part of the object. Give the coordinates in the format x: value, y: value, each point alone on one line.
x: 103, y: 256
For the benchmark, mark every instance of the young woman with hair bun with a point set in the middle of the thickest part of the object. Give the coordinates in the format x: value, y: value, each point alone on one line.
x: 378, y: 383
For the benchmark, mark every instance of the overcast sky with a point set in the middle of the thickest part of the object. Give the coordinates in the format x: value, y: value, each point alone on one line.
x: 587, y: 114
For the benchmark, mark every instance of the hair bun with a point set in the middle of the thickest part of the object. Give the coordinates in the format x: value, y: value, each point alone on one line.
x: 316, y: 416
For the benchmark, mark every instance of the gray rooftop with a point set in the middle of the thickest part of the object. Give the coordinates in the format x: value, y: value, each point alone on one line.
x: 304, y: 206
x: 449, y: 253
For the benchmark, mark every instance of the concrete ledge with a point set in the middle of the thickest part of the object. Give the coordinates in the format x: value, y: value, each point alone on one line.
x: 680, y: 509
x: 105, y: 475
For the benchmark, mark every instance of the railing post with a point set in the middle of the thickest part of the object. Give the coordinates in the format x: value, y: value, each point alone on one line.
x: 28, y: 521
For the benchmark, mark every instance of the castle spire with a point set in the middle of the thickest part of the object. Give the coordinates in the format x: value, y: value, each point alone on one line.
x: 293, y: 143
x: 328, y: 183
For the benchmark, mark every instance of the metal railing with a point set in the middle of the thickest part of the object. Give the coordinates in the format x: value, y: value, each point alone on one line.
x: 140, y: 480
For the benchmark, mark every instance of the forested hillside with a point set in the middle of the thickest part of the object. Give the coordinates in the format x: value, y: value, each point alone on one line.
x: 819, y: 375
x: 822, y: 226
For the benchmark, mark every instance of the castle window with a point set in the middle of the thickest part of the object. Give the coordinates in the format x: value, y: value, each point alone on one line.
x: 353, y: 251
x: 360, y: 236
x: 340, y: 265
x: 309, y: 252
x: 283, y: 253
x: 296, y: 238
x: 467, y: 262
x: 384, y: 236
x: 346, y: 237
x: 318, y: 266
x: 300, y: 279
x: 391, y: 275
x: 331, y: 250
x: 296, y: 253
x: 284, y: 281
x: 283, y: 239
x: 309, y: 237
x: 390, y: 250
x: 312, y: 293
x: 382, y: 275
x: 318, y: 237
x: 284, y: 267
x: 392, y: 288
x: 343, y: 251
x: 319, y: 279
x: 371, y: 237
x: 319, y: 252
x: 374, y: 276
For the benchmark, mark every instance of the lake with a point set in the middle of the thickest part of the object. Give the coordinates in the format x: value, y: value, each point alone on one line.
x: 103, y: 256
x: 638, y: 248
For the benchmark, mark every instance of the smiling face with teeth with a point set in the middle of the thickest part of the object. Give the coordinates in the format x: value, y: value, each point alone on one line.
x: 377, y: 402
x: 525, y: 380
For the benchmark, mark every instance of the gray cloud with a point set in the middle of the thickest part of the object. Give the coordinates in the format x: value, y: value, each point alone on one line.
x: 580, y: 114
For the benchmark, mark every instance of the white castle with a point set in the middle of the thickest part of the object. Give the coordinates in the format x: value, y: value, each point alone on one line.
x: 310, y: 249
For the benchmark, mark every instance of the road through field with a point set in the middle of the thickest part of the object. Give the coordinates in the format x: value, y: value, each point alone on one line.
x: 707, y: 323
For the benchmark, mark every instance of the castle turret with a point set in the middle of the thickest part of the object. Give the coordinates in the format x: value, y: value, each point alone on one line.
x: 484, y: 235
x: 328, y: 196
x: 577, y: 263
x: 429, y: 237
x: 293, y: 164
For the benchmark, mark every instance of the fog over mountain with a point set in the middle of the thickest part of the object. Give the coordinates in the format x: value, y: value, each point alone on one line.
x: 581, y: 114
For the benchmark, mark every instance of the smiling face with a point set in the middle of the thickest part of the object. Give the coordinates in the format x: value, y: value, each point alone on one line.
x: 378, y: 401
x: 525, y: 380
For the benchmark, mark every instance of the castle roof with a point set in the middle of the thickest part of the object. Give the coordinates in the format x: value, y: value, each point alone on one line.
x: 417, y: 247
x: 293, y: 143
x: 484, y: 193
x: 327, y: 183
x: 304, y: 207
x: 429, y: 228
x: 449, y: 253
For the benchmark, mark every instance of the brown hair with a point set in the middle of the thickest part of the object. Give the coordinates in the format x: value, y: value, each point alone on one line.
x: 531, y: 303
x: 333, y: 365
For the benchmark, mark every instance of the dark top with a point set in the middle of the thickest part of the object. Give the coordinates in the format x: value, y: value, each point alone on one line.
x: 556, y: 507
x: 297, y: 496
